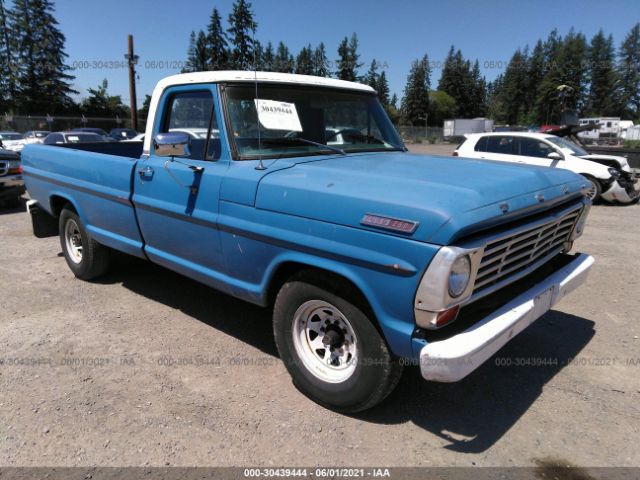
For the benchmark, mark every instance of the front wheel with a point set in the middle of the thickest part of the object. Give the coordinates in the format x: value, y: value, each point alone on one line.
x: 86, y: 258
x: 594, y: 190
x: 332, y: 350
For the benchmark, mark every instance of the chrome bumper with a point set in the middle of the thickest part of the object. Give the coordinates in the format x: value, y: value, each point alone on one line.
x: 453, y: 359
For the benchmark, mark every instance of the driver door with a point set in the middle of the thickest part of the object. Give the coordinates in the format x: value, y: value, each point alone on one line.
x: 176, y: 198
x: 533, y: 151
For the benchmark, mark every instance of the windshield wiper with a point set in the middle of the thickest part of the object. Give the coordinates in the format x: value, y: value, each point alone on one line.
x: 287, y: 141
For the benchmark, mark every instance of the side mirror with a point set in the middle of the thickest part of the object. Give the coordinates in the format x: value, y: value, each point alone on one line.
x: 171, y: 144
x: 555, y: 156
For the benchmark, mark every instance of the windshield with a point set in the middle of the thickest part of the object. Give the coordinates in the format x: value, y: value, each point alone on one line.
x: 84, y: 138
x: 564, y: 143
x: 302, y: 120
x: 10, y: 136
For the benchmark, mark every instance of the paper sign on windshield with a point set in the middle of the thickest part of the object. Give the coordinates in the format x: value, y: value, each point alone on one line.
x: 275, y: 115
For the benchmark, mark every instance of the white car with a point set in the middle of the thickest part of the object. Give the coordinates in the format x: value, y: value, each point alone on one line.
x: 32, y: 136
x: 610, y: 176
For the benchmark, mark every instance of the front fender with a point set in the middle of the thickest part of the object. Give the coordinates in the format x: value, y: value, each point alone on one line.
x: 386, y: 268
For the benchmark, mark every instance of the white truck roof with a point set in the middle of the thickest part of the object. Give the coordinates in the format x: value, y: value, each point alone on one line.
x: 249, y: 76
x: 239, y: 76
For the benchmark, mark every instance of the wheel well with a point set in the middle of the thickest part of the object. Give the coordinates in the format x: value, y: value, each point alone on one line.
x: 58, y: 203
x: 334, y: 282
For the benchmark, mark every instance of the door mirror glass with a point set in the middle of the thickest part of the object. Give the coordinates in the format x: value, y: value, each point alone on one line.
x: 171, y: 144
x: 555, y: 156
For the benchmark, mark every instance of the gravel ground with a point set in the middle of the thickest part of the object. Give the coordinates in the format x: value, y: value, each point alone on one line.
x: 146, y: 367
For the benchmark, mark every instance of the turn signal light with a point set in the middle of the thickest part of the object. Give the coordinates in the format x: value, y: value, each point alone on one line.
x: 15, y: 171
x: 447, y: 316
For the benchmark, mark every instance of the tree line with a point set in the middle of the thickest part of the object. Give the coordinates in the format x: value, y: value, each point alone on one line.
x: 560, y: 72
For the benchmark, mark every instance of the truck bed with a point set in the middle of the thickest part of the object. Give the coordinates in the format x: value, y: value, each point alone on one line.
x: 121, y: 149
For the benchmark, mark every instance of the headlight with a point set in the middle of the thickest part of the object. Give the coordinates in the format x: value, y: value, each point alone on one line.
x: 614, y: 173
x: 459, y: 276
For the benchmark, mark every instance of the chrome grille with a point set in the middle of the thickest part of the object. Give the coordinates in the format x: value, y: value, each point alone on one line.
x: 4, y: 168
x: 507, y: 256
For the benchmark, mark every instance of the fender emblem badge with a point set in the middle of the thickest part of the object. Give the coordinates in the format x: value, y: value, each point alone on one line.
x: 504, y: 207
x: 540, y: 197
x: 388, y: 223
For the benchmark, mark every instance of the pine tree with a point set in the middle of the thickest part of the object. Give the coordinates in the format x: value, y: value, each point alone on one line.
x: 535, y: 74
x: 372, y: 76
x: 304, y: 61
x: 457, y: 81
x: 7, y: 78
x: 192, y: 60
x: 383, y: 89
x: 602, y: 99
x: 258, y: 53
x: 348, y: 62
x: 415, y: 103
x: 567, y: 67
x: 201, y: 52
x: 629, y: 73
x: 241, y: 31
x: 218, y: 55
x: 320, y: 61
x: 513, y: 89
x: 283, y: 61
x: 43, y: 84
x: 268, y: 58
x: 478, y: 92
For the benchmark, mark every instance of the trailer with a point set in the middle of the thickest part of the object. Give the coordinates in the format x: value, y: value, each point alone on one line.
x: 459, y: 127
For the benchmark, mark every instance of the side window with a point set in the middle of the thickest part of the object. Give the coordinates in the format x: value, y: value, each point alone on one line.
x: 193, y: 114
x: 530, y: 147
x: 481, y: 146
x: 500, y: 144
x: 53, y: 138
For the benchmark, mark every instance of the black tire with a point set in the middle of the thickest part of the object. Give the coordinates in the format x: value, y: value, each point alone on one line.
x: 376, y: 372
x: 598, y: 188
x: 94, y: 260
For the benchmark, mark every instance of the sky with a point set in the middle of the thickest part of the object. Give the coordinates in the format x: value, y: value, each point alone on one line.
x: 393, y: 32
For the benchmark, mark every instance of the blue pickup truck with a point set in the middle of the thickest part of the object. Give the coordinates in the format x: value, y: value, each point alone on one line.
x: 296, y: 193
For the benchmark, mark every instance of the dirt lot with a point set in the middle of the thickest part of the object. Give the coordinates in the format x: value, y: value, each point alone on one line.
x: 148, y: 368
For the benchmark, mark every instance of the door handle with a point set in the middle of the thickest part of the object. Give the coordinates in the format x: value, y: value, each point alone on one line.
x: 146, y: 172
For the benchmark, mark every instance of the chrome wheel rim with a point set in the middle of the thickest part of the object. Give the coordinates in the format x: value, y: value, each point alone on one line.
x: 73, y: 240
x: 325, y: 341
x: 592, y: 191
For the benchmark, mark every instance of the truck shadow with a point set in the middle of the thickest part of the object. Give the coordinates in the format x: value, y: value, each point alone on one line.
x: 475, y: 413
x: 247, y: 322
x: 471, y: 415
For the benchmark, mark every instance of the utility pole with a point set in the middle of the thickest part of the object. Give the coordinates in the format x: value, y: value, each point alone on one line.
x: 132, y: 59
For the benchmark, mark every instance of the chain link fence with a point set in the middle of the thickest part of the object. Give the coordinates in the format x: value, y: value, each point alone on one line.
x: 24, y: 123
x: 412, y: 134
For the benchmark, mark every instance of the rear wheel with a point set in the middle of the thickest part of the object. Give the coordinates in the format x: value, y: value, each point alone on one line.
x: 331, y: 348
x: 594, y: 190
x: 86, y: 258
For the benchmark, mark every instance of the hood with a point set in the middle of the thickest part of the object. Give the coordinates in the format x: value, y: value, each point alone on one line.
x: 609, y: 160
x: 445, y: 195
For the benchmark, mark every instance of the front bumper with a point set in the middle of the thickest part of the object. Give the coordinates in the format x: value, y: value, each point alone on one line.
x: 452, y: 359
x: 11, y: 186
x: 617, y: 193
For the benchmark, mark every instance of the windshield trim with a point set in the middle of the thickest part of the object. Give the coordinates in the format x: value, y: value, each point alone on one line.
x: 232, y: 144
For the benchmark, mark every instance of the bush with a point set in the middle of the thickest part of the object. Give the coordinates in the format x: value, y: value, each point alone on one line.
x: 632, y: 144
x: 432, y: 139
